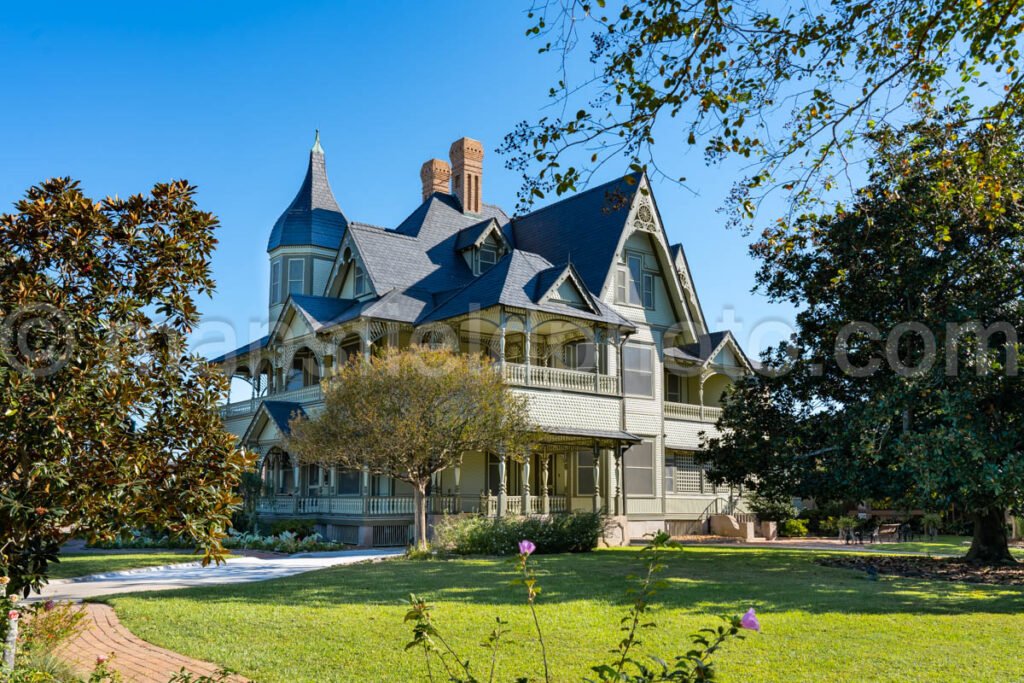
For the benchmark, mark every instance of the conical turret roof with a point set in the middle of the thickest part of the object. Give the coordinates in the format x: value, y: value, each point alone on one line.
x: 314, y: 217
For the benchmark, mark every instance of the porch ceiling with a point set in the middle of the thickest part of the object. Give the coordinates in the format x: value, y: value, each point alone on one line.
x: 566, y: 434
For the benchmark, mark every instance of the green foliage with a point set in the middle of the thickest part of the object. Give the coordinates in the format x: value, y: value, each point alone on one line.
x: 861, y: 412
x: 109, y: 422
x: 284, y: 542
x: 729, y: 75
x: 577, y: 532
x: 771, y: 508
x: 46, y: 625
x: 793, y: 528
x: 412, y: 413
x: 299, y: 527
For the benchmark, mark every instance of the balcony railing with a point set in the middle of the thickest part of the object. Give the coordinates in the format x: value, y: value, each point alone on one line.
x: 309, y: 394
x: 395, y: 506
x: 560, y: 378
x: 694, y: 413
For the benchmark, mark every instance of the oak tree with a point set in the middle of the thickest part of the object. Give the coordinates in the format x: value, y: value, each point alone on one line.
x: 409, y: 414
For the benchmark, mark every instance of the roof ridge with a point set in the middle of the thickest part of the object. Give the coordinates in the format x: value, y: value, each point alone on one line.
x: 580, y: 194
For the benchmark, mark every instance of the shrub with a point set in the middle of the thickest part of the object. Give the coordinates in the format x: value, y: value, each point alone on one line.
x: 572, y: 533
x: 299, y: 527
x: 771, y: 508
x: 285, y: 542
x: 46, y: 625
x: 793, y: 528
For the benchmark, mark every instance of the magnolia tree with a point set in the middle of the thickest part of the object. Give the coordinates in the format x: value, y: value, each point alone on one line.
x: 902, y: 380
x: 410, y: 414
x: 108, y: 422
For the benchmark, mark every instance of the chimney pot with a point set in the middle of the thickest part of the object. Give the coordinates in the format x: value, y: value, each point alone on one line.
x: 467, y: 157
x: 435, y: 174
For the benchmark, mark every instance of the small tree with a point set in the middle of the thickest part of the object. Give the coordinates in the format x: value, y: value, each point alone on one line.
x: 410, y: 414
x: 107, y: 422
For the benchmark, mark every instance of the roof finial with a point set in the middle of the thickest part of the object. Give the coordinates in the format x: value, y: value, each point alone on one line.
x: 316, y: 143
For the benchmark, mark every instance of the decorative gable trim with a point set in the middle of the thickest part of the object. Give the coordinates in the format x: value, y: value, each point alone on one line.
x: 570, y: 275
x: 644, y: 217
x: 349, y: 256
x: 492, y: 228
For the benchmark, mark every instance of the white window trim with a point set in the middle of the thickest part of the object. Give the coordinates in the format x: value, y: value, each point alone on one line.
x: 275, y: 282
x: 301, y: 280
x: 650, y: 352
x: 647, y: 275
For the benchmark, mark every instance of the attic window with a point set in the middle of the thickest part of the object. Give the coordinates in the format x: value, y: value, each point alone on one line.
x: 360, y: 283
x: 634, y: 285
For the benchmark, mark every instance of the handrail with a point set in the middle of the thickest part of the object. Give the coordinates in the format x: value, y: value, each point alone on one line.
x: 561, y: 378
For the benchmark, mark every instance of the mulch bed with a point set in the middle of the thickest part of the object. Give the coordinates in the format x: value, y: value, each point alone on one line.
x: 946, y: 569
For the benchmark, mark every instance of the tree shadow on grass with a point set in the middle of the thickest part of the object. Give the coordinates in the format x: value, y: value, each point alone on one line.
x: 700, y: 579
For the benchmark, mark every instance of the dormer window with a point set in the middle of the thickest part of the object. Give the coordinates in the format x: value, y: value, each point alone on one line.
x: 360, y: 283
x: 486, y: 256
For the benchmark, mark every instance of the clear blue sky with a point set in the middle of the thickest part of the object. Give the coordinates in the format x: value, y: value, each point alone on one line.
x: 228, y: 95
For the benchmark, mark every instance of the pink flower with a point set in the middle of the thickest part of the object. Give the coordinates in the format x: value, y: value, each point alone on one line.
x: 49, y: 605
x: 12, y: 615
x: 749, y: 621
x: 102, y: 659
x: 526, y: 547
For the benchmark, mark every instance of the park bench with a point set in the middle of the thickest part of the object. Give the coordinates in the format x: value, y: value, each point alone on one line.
x: 890, y: 530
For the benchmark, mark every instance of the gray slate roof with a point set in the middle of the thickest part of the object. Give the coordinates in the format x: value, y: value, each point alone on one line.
x: 243, y: 350
x: 314, y: 217
x: 280, y: 412
x: 584, y: 229
x: 700, y: 351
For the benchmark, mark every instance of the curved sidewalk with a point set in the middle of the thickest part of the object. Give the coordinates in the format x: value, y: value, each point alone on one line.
x: 141, y: 662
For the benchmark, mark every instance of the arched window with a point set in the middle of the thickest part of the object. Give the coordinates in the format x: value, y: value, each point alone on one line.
x: 263, y: 378
x: 305, y: 370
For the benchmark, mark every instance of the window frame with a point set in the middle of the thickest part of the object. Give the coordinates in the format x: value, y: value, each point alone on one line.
x: 275, y: 281
x: 631, y: 471
x: 626, y: 369
x: 302, y: 276
x: 479, y: 261
x: 592, y: 467
x: 359, y: 280
x: 635, y: 281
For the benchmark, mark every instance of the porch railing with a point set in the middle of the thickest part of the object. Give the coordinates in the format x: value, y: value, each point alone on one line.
x: 689, y: 411
x: 560, y: 378
x: 384, y: 506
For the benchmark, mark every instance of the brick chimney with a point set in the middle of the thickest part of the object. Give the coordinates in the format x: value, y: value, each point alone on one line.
x: 467, y: 157
x: 435, y: 175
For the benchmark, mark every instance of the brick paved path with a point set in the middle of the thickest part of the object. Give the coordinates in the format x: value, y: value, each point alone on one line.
x: 136, y: 660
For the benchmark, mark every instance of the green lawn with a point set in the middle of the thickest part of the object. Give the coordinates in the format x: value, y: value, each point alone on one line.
x: 819, y: 624
x: 83, y: 564
x: 941, y: 545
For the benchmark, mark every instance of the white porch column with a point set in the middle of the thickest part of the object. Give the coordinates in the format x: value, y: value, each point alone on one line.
x: 501, y: 338
x: 567, y: 469
x: 502, y: 492
x: 527, y: 334
x: 545, y: 501
x: 458, y: 491
x: 597, y: 478
x: 526, y: 484
x: 364, y: 338
x: 334, y: 480
x: 297, y: 471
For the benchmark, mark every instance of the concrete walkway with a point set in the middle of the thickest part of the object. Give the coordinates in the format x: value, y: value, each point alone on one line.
x: 235, y: 570
x: 141, y: 662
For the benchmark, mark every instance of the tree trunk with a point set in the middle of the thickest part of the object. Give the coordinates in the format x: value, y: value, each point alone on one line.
x: 990, y: 545
x: 420, y: 512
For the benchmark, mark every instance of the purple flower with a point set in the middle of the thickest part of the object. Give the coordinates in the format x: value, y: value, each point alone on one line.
x: 526, y: 547
x: 749, y: 621
x: 49, y: 605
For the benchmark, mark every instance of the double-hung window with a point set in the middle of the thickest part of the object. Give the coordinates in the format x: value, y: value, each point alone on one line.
x: 585, y: 484
x: 639, y: 465
x: 359, y: 281
x: 635, y: 285
x: 275, y: 282
x: 638, y: 370
x: 296, y: 276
